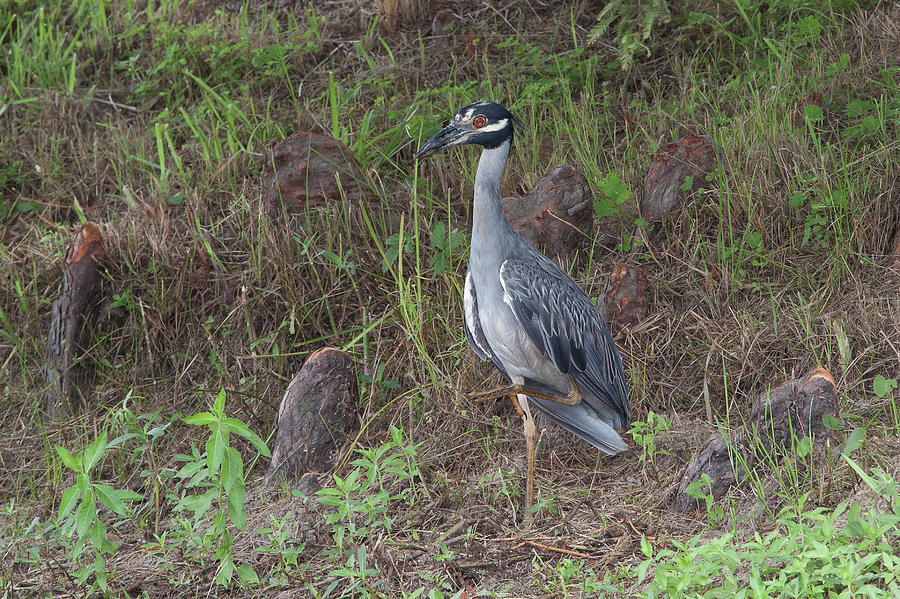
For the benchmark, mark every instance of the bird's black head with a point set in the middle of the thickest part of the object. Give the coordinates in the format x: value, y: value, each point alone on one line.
x: 484, y: 123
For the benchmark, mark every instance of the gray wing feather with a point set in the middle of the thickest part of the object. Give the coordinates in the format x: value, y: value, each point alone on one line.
x: 471, y: 322
x: 565, y: 325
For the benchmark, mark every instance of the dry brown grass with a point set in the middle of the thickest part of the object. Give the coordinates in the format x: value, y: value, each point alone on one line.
x: 394, y: 12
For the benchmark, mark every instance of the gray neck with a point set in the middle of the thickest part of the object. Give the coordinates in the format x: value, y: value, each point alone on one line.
x: 489, y: 224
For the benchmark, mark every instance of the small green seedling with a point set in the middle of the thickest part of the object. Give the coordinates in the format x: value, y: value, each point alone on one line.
x: 80, y: 509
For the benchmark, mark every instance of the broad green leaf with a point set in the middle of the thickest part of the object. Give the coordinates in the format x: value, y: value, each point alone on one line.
x: 804, y: 446
x: 331, y: 587
x: 439, y: 234
x: 332, y: 257
x: 831, y: 422
x: 641, y: 571
x: 232, y: 471
x: 236, y: 511
x: 158, y: 430
x: 857, y: 108
x: 813, y: 113
x: 756, y: 583
x: 226, y: 569
x: 241, y: 429
x: 616, y: 193
x: 883, y: 386
x: 198, y: 504
x: 98, y: 533
x: 235, y: 469
x: 94, y: 452
x: 854, y: 441
x: 236, y: 426
x: 396, y: 435
x: 68, y: 501
x: 84, y: 516
x: 199, y: 419
x: 219, y: 404
x: 200, y: 479
x: 862, y: 473
x: 808, y: 29
x: 108, y: 546
x: 215, y: 450
x: 100, y: 571
x: 350, y: 481
x: 754, y: 239
x: 247, y: 575
x: 646, y: 548
x: 82, y: 574
x: 190, y: 469
x: 110, y: 498
x: 129, y: 495
x: 67, y: 458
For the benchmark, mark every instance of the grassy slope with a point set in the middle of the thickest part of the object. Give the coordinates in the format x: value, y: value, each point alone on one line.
x: 154, y: 123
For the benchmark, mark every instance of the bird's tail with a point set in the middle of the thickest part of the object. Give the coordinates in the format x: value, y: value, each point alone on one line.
x: 582, y: 420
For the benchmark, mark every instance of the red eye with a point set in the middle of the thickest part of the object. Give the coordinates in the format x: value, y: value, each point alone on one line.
x: 479, y: 121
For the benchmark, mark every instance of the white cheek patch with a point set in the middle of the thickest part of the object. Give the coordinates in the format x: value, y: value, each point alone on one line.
x: 499, y: 125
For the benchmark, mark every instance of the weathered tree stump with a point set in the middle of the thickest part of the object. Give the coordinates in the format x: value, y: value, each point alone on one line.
x: 795, y: 408
x: 318, y: 411
x: 394, y: 12
x: 73, y: 316
x: 693, y: 156
x: 557, y: 214
x: 310, y: 170
x: 625, y: 297
x: 717, y: 459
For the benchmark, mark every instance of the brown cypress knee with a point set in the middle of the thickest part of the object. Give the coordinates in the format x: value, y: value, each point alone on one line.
x: 73, y: 317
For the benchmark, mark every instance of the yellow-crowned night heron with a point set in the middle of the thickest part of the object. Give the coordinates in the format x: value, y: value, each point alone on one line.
x: 522, y: 312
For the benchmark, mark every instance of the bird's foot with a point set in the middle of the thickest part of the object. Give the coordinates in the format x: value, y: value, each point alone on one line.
x: 572, y: 398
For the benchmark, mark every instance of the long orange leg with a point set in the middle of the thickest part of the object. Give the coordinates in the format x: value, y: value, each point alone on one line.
x: 530, y: 442
x: 519, y: 393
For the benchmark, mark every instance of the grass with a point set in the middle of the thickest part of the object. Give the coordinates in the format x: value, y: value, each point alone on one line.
x: 154, y: 119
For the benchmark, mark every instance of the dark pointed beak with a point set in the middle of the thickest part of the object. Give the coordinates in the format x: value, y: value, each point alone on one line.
x: 451, y: 135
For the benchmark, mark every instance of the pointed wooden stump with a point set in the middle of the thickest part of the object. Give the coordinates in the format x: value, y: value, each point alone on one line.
x: 667, y: 183
x: 626, y: 301
x: 310, y: 170
x: 793, y: 409
x: 557, y: 214
x: 72, y: 324
x: 318, y: 412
